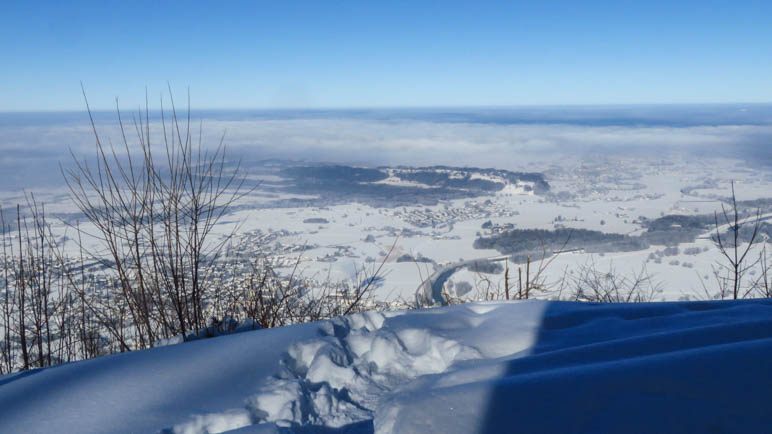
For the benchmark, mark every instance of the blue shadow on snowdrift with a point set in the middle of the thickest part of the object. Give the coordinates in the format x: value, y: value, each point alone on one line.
x: 9, y: 378
x: 659, y: 367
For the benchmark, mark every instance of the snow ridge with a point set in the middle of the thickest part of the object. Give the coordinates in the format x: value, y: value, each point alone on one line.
x: 338, y: 378
x: 531, y: 366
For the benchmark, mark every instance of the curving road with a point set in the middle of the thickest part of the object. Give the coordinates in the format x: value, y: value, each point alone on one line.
x: 725, y: 227
x: 429, y: 292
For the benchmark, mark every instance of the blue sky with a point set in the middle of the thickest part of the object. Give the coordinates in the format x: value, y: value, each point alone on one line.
x: 279, y: 54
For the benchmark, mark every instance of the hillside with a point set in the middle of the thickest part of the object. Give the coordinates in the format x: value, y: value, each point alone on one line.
x: 532, y: 366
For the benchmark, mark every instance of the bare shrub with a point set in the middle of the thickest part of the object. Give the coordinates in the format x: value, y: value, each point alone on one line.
x: 34, y: 316
x: 154, y: 215
x: 595, y: 285
x: 729, y: 275
x: 269, y: 300
x: 762, y: 285
x: 156, y: 272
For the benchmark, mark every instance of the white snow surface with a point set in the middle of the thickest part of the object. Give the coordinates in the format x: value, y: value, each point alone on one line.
x: 533, y: 366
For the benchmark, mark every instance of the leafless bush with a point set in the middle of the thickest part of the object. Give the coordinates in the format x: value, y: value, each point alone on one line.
x: 34, y: 316
x: 591, y: 284
x: 156, y: 270
x: 52, y: 310
x: 762, y: 285
x: 729, y: 275
x: 527, y: 285
x: 153, y: 217
x: 267, y: 299
x: 530, y: 281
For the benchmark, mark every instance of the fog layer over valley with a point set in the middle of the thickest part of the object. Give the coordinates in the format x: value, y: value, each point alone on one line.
x: 503, y: 138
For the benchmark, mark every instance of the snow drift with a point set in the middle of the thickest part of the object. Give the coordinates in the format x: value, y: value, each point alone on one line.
x: 532, y: 366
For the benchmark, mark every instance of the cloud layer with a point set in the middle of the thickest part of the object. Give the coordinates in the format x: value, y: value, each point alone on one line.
x: 31, y: 151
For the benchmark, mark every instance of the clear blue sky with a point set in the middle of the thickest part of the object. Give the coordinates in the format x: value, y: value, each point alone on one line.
x: 261, y: 54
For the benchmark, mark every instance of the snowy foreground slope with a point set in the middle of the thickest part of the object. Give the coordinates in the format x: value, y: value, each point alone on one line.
x: 486, y: 367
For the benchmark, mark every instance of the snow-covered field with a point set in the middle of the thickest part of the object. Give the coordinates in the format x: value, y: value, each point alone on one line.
x: 607, y: 194
x: 602, y: 193
x: 532, y: 366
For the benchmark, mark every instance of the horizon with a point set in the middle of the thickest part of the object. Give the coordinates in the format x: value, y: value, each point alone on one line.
x: 590, y: 106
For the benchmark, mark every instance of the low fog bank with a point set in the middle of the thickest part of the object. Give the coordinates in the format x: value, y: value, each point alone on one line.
x: 32, y: 145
